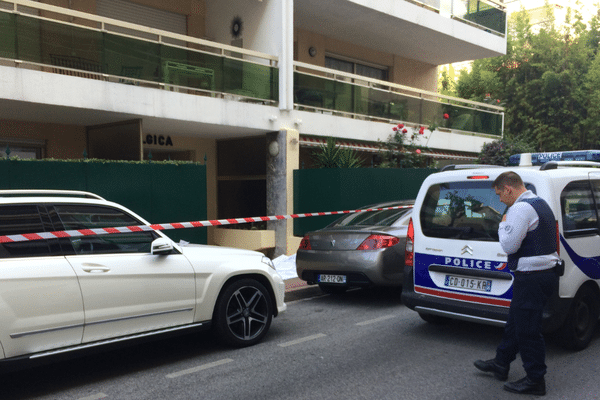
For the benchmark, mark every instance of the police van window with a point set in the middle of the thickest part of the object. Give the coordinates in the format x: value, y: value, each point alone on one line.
x: 15, y: 220
x: 462, y: 210
x: 579, y: 211
x: 76, y: 216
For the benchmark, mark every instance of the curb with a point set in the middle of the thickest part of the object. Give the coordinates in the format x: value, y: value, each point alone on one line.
x: 297, y: 289
x: 294, y: 284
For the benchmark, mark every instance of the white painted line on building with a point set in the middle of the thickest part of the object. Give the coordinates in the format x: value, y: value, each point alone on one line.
x: 199, y: 368
x: 302, y: 340
x: 94, y: 397
x: 373, y: 321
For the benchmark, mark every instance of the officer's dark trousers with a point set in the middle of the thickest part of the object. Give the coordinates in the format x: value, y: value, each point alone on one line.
x: 523, y: 330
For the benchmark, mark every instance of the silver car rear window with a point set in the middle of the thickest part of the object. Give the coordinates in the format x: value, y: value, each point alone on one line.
x: 371, y: 218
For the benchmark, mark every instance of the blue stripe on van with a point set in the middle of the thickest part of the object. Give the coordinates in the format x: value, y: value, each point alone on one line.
x: 588, y: 265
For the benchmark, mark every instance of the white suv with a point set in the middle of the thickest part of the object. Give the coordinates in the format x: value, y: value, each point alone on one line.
x: 456, y: 268
x: 69, y: 293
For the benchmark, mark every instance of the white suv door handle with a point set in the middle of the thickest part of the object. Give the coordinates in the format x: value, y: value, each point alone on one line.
x: 95, y: 269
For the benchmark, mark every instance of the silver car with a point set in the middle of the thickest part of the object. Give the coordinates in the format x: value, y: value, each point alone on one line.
x: 358, y: 250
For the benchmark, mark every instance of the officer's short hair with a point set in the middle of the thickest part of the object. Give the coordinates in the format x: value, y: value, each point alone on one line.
x: 508, y: 178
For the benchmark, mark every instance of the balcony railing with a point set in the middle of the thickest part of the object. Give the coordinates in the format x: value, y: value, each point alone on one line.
x: 97, y: 48
x: 486, y: 14
x: 330, y: 91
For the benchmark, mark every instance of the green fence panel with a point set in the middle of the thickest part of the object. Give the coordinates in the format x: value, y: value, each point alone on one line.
x: 179, y: 195
x: 129, y: 183
x: 160, y: 193
x: 318, y: 190
x: 8, y: 33
x: 41, y: 175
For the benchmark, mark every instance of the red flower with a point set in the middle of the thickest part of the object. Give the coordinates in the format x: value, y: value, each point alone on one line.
x: 418, y: 151
x: 395, y: 128
x: 421, y: 130
x: 400, y: 126
x: 446, y: 116
x: 404, y: 130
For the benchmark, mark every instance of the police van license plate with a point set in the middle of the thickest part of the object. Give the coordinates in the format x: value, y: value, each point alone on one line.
x: 460, y: 282
x: 332, y: 278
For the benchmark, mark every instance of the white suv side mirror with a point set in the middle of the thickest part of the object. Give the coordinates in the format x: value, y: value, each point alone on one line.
x: 161, y: 246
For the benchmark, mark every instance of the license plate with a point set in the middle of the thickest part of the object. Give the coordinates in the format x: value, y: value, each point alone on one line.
x: 460, y: 282
x: 332, y: 278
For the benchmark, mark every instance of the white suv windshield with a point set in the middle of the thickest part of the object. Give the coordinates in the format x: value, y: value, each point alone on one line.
x: 462, y: 210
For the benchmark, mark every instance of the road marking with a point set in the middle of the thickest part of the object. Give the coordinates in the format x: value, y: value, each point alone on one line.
x: 306, y: 299
x: 94, y: 397
x: 302, y: 340
x: 199, y: 368
x: 372, y: 321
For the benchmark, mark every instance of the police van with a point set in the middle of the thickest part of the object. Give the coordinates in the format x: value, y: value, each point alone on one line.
x: 455, y: 267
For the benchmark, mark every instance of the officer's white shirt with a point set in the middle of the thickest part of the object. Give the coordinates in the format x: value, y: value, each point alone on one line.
x: 520, y: 219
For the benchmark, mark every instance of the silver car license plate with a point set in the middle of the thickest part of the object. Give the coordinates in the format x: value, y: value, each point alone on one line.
x: 332, y: 278
x: 461, y: 282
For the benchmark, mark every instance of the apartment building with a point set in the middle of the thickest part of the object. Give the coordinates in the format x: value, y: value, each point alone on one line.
x: 248, y: 87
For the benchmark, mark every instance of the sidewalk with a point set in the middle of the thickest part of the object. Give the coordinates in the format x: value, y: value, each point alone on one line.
x: 295, y: 288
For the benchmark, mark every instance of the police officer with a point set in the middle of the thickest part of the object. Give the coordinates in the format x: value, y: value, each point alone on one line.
x: 528, y: 235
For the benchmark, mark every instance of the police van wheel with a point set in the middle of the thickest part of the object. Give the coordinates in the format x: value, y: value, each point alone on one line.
x: 434, y: 319
x: 580, y: 324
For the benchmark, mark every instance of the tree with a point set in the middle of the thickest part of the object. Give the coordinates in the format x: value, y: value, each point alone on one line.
x: 499, y: 151
x: 548, y: 82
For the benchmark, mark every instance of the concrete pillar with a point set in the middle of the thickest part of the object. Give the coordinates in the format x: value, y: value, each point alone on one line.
x: 282, y: 158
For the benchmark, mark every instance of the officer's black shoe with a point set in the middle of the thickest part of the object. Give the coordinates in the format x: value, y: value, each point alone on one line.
x: 527, y: 386
x: 500, y: 371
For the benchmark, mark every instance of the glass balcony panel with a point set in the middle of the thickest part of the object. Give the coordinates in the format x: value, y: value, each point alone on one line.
x: 59, y: 45
x: 131, y: 58
x: 379, y: 102
x: 481, y: 13
x: 86, y: 50
x: 8, y: 33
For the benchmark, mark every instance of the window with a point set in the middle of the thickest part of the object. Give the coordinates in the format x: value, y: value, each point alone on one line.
x: 22, y: 148
x: 21, y: 219
x: 358, y: 68
x: 75, y: 217
x: 463, y: 210
x: 379, y: 218
x: 579, y: 211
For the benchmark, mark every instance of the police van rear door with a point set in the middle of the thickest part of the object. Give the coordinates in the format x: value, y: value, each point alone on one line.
x: 460, y: 257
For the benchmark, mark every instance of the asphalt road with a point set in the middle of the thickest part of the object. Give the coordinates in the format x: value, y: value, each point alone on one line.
x: 362, y: 345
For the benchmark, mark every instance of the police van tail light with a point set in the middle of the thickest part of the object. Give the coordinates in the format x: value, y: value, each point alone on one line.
x: 375, y: 242
x: 305, y: 243
x: 409, y: 254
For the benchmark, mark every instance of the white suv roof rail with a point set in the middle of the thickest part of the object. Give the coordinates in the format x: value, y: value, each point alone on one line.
x: 556, y: 164
x: 453, y: 167
x: 41, y: 192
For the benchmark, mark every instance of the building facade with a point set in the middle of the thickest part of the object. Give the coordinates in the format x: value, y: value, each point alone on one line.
x: 248, y: 87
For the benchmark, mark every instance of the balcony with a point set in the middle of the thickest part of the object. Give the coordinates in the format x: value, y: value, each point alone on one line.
x: 37, y: 36
x: 140, y: 56
x: 434, y: 32
x: 333, y: 92
x: 487, y: 15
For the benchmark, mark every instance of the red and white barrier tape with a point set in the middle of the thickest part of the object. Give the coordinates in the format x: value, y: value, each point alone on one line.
x: 178, y: 225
